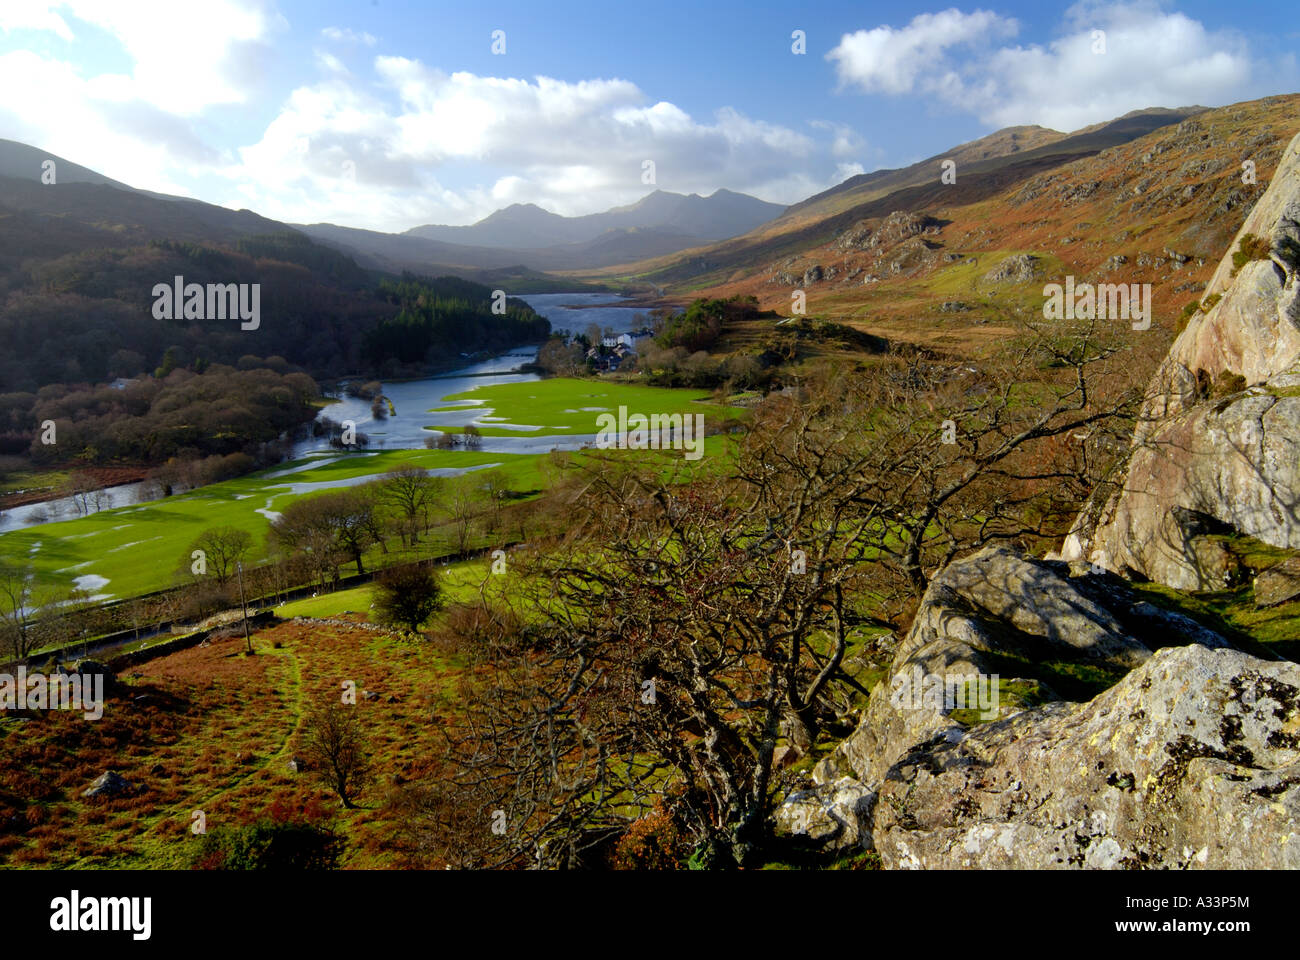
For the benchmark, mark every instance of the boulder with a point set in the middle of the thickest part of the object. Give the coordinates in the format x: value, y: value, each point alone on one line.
x: 785, y: 756
x: 834, y: 815
x: 983, y: 610
x: 108, y: 784
x: 1192, y: 760
x: 1278, y: 583
x: 91, y: 668
x: 1236, y: 461
x: 856, y: 237
x: 1020, y: 268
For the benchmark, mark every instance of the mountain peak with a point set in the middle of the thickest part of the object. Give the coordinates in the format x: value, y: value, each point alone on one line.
x: 688, y: 217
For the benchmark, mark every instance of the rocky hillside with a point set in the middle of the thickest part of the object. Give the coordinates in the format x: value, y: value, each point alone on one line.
x: 1217, y: 451
x: 1187, y: 757
x: 1110, y: 728
x: 923, y: 261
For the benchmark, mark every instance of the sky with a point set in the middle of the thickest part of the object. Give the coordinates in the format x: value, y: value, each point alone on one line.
x: 386, y: 115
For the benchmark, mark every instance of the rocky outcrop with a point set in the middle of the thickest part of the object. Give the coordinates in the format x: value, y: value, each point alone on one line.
x: 1278, y: 584
x: 1191, y: 758
x: 1232, y: 459
x: 988, y: 614
x: 1020, y: 268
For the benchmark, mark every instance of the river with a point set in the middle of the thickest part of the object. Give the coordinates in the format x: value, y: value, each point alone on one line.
x: 412, y: 399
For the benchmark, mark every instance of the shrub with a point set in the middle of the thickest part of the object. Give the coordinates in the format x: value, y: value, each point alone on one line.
x: 1228, y: 384
x: 652, y: 842
x: 475, y: 629
x: 269, y: 844
x: 407, y: 596
x: 1250, y: 248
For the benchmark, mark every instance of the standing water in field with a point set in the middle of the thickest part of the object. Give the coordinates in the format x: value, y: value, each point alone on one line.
x: 413, y: 399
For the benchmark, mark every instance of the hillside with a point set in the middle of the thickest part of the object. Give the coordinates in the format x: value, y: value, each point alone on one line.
x: 984, y: 167
x: 922, y: 264
x: 1150, y: 668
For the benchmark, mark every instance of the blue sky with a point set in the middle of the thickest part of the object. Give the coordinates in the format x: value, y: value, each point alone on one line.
x: 387, y: 114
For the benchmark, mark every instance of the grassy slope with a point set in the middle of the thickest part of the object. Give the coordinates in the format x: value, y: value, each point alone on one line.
x: 460, y: 582
x: 194, y: 744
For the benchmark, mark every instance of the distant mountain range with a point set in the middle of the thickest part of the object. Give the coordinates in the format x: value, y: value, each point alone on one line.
x: 984, y: 169
x: 523, y: 233
x: 525, y: 225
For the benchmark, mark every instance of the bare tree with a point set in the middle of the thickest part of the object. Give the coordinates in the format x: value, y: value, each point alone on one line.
x: 678, y: 632
x: 330, y: 527
x: 16, y: 614
x: 336, y: 747
x: 223, y: 548
x: 408, y: 490
x: 461, y: 503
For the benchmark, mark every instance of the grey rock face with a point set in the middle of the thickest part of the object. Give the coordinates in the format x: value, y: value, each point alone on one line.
x: 834, y: 814
x: 1278, y: 584
x: 997, y: 605
x: 1191, y: 759
x: 109, y: 784
x: 1021, y: 268
x: 1235, y: 459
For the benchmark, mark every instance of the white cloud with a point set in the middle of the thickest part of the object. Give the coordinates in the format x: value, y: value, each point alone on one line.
x: 59, y: 111
x: 571, y: 147
x: 347, y: 35
x: 1153, y: 57
x: 185, y: 56
x: 33, y: 16
x: 845, y: 141
x: 889, y: 60
x: 385, y: 142
x: 136, y: 124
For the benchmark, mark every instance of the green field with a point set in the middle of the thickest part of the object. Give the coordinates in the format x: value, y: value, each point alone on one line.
x: 137, y: 549
x: 564, y: 406
x: 132, y: 550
